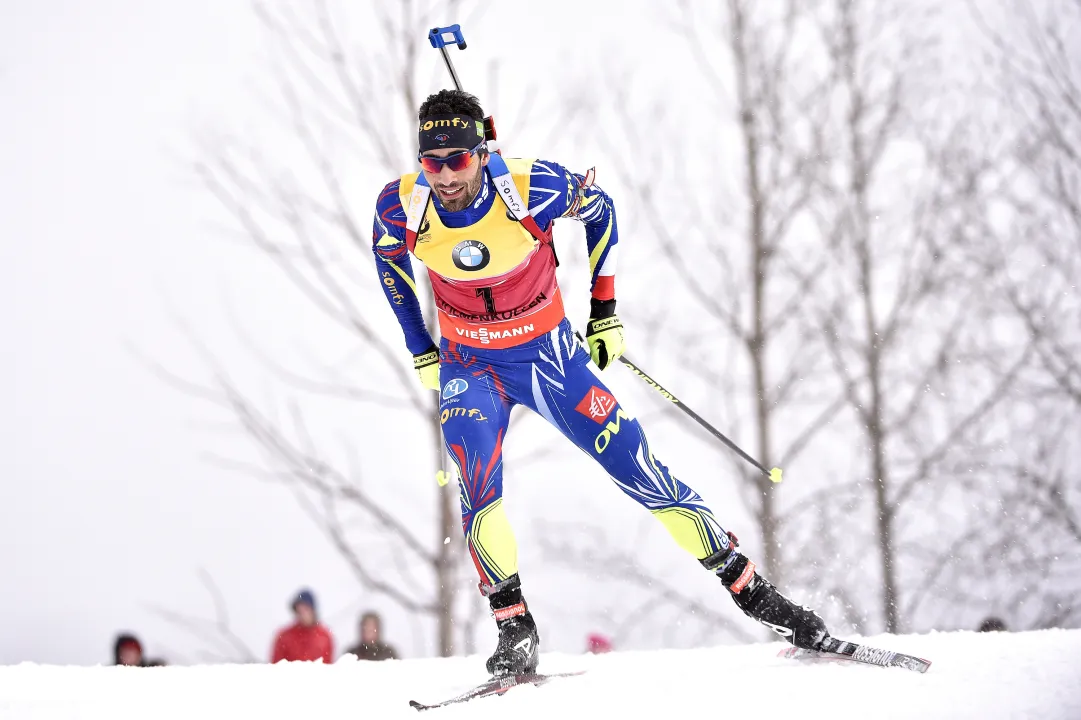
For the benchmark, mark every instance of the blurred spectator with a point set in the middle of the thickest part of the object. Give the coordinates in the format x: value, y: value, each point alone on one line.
x: 127, y: 650
x: 597, y: 644
x: 371, y: 646
x: 306, y: 639
x: 992, y: 624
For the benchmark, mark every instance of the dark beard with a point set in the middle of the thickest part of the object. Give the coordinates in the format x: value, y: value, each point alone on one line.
x: 467, y: 196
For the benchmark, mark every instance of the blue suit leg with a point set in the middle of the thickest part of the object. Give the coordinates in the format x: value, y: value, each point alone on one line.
x: 565, y: 387
x: 474, y: 411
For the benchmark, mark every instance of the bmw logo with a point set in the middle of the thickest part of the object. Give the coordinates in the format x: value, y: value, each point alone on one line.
x: 470, y: 255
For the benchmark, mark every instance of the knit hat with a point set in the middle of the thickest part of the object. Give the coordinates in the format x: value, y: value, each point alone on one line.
x: 304, y: 596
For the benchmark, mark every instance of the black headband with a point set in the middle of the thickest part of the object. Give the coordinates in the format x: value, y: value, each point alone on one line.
x: 450, y: 131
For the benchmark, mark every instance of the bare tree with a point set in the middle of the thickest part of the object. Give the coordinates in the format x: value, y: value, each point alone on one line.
x: 1038, y: 86
x: 292, y: 191
x: 1032, y: 72
x: 737, y: 262
x: 900, y: 280
x: 733, y: 246
x: 902, y: 210
x: 219, y: 641
x: 762, y: 271
x: 1021, y: 560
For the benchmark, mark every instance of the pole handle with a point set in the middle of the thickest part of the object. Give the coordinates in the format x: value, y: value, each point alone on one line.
x: 438, y: 37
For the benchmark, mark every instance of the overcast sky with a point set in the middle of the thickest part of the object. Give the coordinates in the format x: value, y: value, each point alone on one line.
x: 106, y: 506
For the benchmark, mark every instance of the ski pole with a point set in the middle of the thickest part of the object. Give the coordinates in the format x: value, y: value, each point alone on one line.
x: 774, y: 474
x: 437, y: 37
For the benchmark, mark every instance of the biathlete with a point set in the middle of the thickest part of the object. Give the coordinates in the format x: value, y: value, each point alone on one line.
x: 482, y: 226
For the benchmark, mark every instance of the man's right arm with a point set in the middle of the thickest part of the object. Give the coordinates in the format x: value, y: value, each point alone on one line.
x: 395, y: 270
x: 278, y: 651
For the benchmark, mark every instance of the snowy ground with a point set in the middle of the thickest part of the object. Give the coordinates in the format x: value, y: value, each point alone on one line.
x: 987, y: 676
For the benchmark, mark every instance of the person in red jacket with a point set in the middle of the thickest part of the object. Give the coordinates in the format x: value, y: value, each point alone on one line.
x: 598, y: 644
x: 307, y: 638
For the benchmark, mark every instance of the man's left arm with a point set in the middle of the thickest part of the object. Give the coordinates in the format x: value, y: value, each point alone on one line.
x: 328, y: 647
x: 555, y: 192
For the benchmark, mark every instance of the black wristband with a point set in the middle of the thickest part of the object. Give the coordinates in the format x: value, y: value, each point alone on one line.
x: 426, y: 358
x: 601, y: 308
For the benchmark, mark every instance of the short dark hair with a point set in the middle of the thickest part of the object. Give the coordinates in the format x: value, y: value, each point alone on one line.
x: 451, y: 102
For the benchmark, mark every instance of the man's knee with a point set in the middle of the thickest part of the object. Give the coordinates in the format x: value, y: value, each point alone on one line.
x: 693, y: 528
x: 489, y: 534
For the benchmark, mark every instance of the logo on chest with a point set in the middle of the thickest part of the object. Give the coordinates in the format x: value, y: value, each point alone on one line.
x: 470, y: 255
x: 423, y: 235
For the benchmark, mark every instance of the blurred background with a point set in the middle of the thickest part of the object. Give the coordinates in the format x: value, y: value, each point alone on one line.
x: 851, y: 239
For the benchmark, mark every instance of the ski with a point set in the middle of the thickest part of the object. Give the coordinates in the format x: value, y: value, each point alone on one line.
x: 845, y: 651
x: 495, y: 686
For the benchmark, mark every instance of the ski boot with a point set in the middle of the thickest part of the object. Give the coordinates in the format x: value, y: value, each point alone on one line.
x: 759, y: 600
x: 517, y: 650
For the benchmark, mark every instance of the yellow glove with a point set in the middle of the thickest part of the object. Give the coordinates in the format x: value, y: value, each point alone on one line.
x: 604, y: 333
x: 426, y: 365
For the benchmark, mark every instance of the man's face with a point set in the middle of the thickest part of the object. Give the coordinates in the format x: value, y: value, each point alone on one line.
x: 369, y: 631
x: 456, y: 189
x: 130, y: 654
x: 305, y: 614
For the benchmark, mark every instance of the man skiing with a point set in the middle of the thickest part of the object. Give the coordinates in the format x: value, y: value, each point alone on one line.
x: 482, y: 226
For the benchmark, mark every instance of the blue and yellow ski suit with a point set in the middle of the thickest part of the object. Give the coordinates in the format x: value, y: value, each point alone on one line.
x: 506, y: 341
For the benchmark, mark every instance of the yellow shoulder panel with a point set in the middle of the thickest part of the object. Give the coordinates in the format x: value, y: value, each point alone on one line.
x: 406, y: 188
x: 520, y: 170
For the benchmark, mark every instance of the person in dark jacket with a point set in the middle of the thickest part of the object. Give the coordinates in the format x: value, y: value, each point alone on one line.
x: 127, y: 650
x: 306, y: 639
x: 371, y: 647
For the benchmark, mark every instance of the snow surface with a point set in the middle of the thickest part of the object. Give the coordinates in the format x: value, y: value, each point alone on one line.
x: 974, y: 675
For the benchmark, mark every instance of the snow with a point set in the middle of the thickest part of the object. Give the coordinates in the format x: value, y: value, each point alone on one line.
x: 974, y: 675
